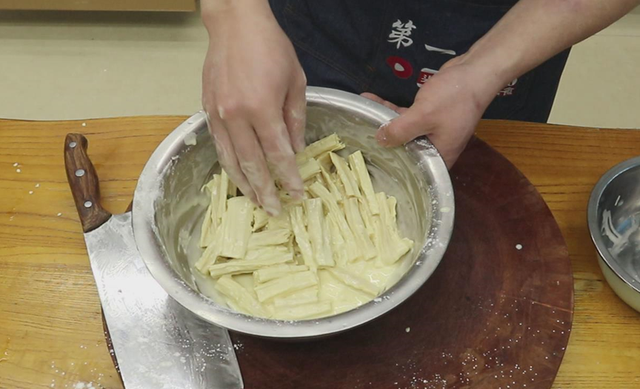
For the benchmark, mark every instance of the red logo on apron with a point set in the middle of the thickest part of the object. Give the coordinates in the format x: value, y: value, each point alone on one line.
x: 400, y: 66
x: 425, y: 74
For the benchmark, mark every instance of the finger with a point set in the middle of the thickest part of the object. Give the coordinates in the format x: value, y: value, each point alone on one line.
x: 253, y: 164
x: 382, y: 101
x: 372, y: 96
x: 276, y: 144
x: 406, y: 127
x: 295, y: 115
x: 411, y: 125
x: 227, y: 156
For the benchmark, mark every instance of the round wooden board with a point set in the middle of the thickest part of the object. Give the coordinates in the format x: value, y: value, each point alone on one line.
x: 496, y: 313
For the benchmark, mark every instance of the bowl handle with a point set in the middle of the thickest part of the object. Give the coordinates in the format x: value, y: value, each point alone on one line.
x: 84, y: 183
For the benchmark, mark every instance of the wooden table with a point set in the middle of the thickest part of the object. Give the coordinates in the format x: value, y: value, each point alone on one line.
x: 50, y: 325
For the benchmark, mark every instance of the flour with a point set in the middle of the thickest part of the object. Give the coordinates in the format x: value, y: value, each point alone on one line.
x: 83, y: 385
x: 190, y: 139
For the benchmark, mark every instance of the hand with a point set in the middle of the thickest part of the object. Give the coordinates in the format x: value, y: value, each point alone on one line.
x: 253, y: 91
x: 447, y: 109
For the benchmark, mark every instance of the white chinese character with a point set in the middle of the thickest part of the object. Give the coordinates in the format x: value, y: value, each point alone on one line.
x: 508, y: 91
x: 401, y: 33
x: 439, y: 50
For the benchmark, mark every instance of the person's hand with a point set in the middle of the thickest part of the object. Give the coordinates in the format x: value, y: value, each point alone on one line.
x: 253, y: 91
x: 447, y: 109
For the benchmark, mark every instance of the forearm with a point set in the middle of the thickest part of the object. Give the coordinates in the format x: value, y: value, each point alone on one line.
x: 216, y: 11
x: 534, y: 31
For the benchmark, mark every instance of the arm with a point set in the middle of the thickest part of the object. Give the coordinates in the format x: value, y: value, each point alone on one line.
x: 536, y: 30
x: 253, y: 91
x: 450, y: 104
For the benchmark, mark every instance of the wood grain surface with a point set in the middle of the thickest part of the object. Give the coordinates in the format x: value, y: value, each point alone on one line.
x: 496, y: 312
x: 50, y: 326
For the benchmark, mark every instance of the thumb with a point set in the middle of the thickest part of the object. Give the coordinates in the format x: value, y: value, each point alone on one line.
x: 406, y: 127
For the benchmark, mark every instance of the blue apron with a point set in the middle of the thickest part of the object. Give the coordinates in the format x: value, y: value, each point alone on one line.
x: 391, y: 48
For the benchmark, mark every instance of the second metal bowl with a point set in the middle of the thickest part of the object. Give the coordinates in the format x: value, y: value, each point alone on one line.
x: 614, y: 224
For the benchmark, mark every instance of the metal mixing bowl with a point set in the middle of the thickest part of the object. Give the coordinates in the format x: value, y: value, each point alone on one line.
x: 169, y: 205
x: 614, y: 223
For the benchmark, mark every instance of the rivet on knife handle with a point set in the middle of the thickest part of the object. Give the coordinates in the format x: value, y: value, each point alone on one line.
x: 84, y: 183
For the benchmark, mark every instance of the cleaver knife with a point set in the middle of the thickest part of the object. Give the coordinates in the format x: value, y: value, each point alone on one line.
x: 156, y: 343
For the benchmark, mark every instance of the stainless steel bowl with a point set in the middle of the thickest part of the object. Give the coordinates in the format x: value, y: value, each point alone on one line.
x: 614, y: 223
x: 169, y: 204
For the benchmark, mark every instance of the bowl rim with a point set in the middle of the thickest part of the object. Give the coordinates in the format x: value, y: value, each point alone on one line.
x: 143, y: 219
x: 592, y: 220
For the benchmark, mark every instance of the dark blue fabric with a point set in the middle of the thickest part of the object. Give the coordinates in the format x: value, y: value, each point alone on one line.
x: 345, y: 44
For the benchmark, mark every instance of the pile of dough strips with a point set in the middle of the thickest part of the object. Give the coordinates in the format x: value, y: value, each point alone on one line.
x: 293, y: 266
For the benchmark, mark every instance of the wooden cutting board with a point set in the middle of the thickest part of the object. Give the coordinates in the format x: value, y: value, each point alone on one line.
x: 497, y: 312
x: 50, y: 328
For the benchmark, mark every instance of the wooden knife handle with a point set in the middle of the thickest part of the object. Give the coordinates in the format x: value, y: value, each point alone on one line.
x: 84, y: 183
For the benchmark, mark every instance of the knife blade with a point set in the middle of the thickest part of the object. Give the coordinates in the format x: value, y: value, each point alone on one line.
x: 157, y: 343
